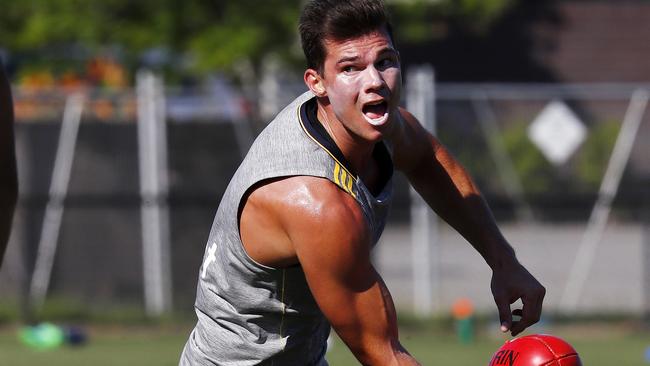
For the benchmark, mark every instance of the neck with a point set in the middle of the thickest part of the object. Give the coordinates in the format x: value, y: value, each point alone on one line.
x: 356, y: 151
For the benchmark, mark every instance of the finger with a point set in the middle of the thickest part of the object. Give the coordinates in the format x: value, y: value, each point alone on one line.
x: 516, y: 320
x: 505, y: 317
x: 530, y: 314
x: 520, y: 325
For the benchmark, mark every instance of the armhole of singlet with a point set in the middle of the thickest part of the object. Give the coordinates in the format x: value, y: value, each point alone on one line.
x: 240, y: 206
x: 255, y: 185
x: 265, y: 178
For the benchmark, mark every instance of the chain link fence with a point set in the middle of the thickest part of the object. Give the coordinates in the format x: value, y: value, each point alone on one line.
x: 543, y: 208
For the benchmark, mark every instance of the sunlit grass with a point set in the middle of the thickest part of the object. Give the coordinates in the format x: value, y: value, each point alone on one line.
x: 432, y: 342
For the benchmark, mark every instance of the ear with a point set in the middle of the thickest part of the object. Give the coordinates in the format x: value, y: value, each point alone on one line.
x: 315, y: 82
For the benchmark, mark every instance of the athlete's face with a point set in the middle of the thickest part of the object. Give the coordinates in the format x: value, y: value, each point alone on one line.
x: 361, y: 81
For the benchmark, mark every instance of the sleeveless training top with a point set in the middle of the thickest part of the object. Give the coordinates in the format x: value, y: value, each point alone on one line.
x: 249, y: 313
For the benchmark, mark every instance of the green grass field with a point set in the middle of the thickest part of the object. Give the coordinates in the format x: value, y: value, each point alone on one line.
x: 598, y: 345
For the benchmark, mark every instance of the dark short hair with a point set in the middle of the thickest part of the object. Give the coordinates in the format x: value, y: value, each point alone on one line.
x: 338, y: 20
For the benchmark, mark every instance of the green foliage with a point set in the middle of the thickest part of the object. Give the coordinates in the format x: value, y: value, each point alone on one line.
x: 33, y: 24
x: 217, y: 35
x: 415, y: 21
x: 595, y: 153
x: 584, y: 172
x: 536, y: 173
x: 424, y: 20
x: 478, y: 14
x: 246, y: 29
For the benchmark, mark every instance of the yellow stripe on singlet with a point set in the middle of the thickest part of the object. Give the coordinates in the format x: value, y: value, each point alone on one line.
x: 343, y: 179
x: 337, y: 171
x: 349, y: 185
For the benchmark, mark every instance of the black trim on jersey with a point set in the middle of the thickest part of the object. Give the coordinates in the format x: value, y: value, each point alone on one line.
x: 309, y: 114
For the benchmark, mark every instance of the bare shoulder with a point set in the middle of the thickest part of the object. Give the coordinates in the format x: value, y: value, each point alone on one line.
x: 287, y: 220
x: 314, y: 211
x: 305, y: 200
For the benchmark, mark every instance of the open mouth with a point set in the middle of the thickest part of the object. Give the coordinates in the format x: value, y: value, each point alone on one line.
x: 376, y: 113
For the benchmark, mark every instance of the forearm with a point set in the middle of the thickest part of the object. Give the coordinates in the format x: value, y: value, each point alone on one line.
x: 454, y: 196
x: 449, y: 190
x: 362, y: 313
x: 333, y: 248
x: 370, y: 330
x: 447, y: 187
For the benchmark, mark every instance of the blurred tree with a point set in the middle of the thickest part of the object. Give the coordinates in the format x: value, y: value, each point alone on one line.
x: 426, y: 20
x: 595, y: 153
x: 480, y: 41
x: 535, y: 171
x: 215, y: 34
x: 245, y: 30
x: 34, y: 24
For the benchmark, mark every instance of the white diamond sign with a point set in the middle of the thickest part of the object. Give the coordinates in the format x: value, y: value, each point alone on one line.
x: 557, y: 132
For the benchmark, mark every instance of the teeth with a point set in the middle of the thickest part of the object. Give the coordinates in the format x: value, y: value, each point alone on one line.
x: 377, y: 121
x: 382, y: 118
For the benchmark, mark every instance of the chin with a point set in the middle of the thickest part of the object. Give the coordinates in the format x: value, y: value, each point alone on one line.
x: 376, y: 133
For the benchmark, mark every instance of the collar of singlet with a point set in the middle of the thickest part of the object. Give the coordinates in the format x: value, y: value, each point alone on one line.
x: 309, y: 116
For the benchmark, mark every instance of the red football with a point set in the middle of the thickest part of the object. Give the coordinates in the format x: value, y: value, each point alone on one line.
x: 536, y: 350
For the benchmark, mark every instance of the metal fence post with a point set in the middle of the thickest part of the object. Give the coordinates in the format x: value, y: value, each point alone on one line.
x: 600, y: 213
x: 52, y: 220
x: 420, y: 99
x: 488, y: 121
x: 152, y: 152
x: 645, y: 252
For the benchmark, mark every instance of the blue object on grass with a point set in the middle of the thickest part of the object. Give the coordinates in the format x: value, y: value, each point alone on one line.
x: 647, y: 354
x: 75, y: 336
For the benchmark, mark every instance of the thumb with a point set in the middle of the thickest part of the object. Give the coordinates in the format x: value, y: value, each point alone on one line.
x: 505, y: 316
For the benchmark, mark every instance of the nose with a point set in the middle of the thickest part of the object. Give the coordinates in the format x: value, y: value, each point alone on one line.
x: 374, y: 79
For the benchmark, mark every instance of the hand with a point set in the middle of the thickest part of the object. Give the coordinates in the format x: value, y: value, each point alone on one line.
x: 513, y: 282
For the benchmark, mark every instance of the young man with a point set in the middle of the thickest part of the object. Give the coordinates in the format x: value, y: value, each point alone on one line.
x: 8, y: 179
x: 289, y: 250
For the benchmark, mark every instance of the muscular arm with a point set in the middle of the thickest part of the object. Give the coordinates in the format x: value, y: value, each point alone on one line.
x: 448, y: 189
x: 323, y: 228
x: 351, y: 294
x: 445, y: 185
x: 8, y: 179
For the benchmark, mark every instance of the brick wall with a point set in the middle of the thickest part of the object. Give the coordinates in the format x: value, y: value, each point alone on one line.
x: 599, y: 41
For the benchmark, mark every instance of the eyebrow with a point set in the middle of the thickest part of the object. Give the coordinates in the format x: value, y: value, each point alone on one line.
x: 347, y: 59
x: 390, y: 50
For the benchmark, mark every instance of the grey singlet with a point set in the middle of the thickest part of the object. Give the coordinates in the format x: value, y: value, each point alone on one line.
x: 251, y: 314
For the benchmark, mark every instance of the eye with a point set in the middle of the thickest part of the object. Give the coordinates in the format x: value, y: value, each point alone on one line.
x: 349, y: 68
x: 386, y: 63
